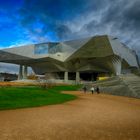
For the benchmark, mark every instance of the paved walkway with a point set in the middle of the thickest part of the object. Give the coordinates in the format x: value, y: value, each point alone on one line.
x: 90, y: 117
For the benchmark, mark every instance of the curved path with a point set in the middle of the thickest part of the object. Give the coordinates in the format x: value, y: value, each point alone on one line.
x: 90, y: 117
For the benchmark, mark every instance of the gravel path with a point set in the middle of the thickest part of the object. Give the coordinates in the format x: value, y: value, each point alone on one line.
x: 90, y: 117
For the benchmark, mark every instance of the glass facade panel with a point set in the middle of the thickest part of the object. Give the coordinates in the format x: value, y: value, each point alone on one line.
x: 41, y: 49
x: 54, y: 48
x: 46, y: 48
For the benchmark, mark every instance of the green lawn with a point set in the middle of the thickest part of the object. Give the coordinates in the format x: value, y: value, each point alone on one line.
x: 22, y: 97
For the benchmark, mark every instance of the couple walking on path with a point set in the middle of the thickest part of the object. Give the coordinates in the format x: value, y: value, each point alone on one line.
x: 92, y: 89
x: 95, y: 89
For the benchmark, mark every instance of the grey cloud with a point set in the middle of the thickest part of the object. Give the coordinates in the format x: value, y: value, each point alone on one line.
x: 63, y: 32
x: 80, y: 18
x: 54, y: 14
x: 121, y: 19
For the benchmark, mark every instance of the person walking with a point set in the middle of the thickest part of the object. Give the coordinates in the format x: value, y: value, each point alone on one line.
x: 85, y: 89
x: 97, y: 90
x: 92, y: 89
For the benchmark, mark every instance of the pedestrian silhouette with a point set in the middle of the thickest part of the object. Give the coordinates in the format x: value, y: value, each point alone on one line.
x: 97, y: 90
x: 92, y: 89
x: 85, y: 89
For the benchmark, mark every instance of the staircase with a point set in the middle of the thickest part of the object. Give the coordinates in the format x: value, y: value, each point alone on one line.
x: 133, y: 83
x: 124, y: 85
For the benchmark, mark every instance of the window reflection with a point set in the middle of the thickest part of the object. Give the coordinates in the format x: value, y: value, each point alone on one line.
x: 46, y: 48
x: 41, y: 49
x: 54, y: 48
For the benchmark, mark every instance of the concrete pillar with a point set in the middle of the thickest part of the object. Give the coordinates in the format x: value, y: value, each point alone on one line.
x: 66, y: 76
x: 92, y: 77
x: 117, y: 63
x: 77, y: 77
x: 20, y: 76
x: 25, y: 72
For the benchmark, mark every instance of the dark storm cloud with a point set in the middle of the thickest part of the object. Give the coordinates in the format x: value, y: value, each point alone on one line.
x: 123, y: 15
x: 70, y: 19
x: 57, y: 9
x: 121, y: 18
x: 63, y: 31
x: 53, y: 14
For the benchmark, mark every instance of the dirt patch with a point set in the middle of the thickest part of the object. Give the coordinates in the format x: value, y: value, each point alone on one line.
x: 90, y: 117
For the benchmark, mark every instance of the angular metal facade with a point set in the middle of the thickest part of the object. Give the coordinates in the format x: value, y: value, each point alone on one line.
x: 99, y: 54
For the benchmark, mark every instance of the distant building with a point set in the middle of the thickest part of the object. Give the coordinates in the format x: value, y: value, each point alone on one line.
x: 7, y: 77
x: 82, y: 59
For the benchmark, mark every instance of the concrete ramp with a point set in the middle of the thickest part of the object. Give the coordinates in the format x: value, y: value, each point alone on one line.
x: 124, y: 85
x: 133, y: 83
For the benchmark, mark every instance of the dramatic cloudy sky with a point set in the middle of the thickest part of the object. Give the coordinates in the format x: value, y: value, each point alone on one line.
x: 33, y: 21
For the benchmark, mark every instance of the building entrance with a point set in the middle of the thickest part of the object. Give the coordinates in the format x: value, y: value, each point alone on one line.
x: 88, y: 76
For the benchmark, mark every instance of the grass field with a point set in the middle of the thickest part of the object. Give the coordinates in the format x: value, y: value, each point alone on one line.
x: 23, y: 97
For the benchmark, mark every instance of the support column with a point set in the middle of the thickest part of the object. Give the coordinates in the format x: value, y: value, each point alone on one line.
x: 66, y: 77
x: 117, y: 63
x: 20, y: 73
x: 25, y: 72
x: 92, y: 77
x: 77, y: 77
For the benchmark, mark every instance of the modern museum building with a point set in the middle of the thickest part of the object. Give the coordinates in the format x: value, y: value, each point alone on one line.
x: 75, y: 60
